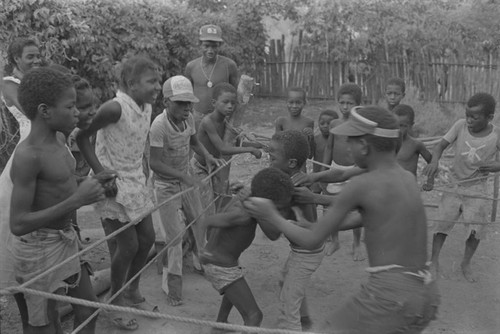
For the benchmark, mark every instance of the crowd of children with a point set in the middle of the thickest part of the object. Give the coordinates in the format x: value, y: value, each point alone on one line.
x: 373, y: 157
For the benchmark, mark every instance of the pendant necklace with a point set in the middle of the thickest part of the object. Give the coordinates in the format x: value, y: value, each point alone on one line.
x: 209, y: 78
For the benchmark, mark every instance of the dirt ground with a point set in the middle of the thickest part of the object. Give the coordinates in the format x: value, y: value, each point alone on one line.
x: 465, y: 307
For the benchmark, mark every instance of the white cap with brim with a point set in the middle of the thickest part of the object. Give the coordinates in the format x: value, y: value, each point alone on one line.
x: 179, y: 88
x: 358, y: 125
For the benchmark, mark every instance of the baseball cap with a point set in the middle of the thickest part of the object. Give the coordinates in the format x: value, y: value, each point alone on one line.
x: 211, y: 32
x: 358, y: 125
x: 179, y: 88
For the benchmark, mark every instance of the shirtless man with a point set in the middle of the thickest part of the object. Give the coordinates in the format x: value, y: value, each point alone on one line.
x: 208, y: 70
x: 45, y: 197
x: 400, y: 295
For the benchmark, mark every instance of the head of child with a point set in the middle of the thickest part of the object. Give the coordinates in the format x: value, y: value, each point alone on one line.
x: 348, y: 97
x: 273, y: 184
x: 324, y: 120
x: 224, y: 99
x: 296, y: 100
x: 372, y: 132
x: 406, y: 118
x: 394, y: 92
x: 210, y: 41
x: 84, y: 97
x: 48, y: 96
x: 140, y: 79
x: 288, y: 151
x: 178, y: 97
x: 23, y: 54
x: 479, y: 112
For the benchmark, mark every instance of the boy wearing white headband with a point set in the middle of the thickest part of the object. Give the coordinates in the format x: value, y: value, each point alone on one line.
x: 400, y: 295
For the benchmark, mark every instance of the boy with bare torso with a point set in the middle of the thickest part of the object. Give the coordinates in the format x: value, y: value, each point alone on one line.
x: 44, y: 197
x: 326, y: 117
x: 295, y: 103
x: 411, y: 149
x: 400, y: 295
x: 394, y: 92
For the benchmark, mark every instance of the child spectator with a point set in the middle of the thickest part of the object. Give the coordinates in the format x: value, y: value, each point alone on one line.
x: 44, y: 197
x: 172, y: 135
x: 400, y: 295
x: 320, y: 141
x: 296, y: 100
x: 394, y: 92
x: 122, y: 126
x: 411, y: 148
x: 232, y: 232
x: 477, y: 141
x: 337, y: 154
x: 288, y: 151
x: 210, y: 135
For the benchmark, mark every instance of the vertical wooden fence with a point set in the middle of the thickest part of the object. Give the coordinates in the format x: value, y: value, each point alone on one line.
x: 436, y: 79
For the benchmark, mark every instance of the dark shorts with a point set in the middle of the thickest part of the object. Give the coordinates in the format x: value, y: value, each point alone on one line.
x: 391, y: 302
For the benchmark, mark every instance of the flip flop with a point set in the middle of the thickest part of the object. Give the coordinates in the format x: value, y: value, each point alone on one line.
x: 121, y: 322
x: 145, y: 306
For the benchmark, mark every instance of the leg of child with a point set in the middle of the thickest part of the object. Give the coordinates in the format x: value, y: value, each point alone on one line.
x: 225, y: 309
x: 438, y: 240
x: 173, y: 226
x: 191, y: 203
x: 23, y: 311
x: 470, y: 248
x: 239, y: 294
x: 145, y: 240
x: 85, y: 291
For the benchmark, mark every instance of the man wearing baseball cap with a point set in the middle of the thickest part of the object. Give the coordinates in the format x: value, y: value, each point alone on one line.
x: 172, y: 135
x: 209, y: 69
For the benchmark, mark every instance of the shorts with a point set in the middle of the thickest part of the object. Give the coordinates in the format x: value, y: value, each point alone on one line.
x: 456, y: 203
x: 391, y: 301
x: 222, y: 277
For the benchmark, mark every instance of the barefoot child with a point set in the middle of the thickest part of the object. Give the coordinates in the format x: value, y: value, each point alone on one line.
x: 44, y: 197
x: 338, y: 155
x: 320, y: 141
x: 476, y: 141
x: 295, y: 103
x: 122, y: 127
x: 399, y: 295
x: 232, y: 232
x: 172, y: 135
x: 394, y: 92
x: 211, y: 134
x: 288, y: 151
x: 411, y: 149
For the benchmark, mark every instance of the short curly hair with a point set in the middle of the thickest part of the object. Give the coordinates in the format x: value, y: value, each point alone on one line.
x: 351, y: 89
x: 222, y: 87
x: 132, y: 68
x: 385, y: 120
x: 404, y: 110
x: 42, y: 86
x: 273, y: 184
x: 487, y: 101
x: 295, y: 145
x: 397, y: 82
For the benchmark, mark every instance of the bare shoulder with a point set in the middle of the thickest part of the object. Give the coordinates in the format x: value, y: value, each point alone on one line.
x: 27, y: 158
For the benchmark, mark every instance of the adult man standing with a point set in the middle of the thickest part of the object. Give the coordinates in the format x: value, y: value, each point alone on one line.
x: 208, y: 70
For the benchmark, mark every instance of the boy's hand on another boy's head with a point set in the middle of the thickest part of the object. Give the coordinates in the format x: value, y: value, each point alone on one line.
x: 89, y: 191
x: 262, y: 209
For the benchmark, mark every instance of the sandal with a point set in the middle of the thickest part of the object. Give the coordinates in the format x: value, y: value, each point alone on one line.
x: 121, y: 322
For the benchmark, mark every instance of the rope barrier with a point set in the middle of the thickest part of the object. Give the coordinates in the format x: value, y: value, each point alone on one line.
x: 121, y: 229
x: 463, y: 223
x: 149, y: 314
x: 156, y: 257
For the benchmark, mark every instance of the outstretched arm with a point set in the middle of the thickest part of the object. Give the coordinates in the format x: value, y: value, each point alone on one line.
x: 424, y: 152
x: 224, y: 148
x: 109, y: 113
x: 431, y: 169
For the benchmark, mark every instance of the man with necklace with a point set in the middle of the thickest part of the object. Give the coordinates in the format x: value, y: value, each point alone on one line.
x: 208, y: 70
